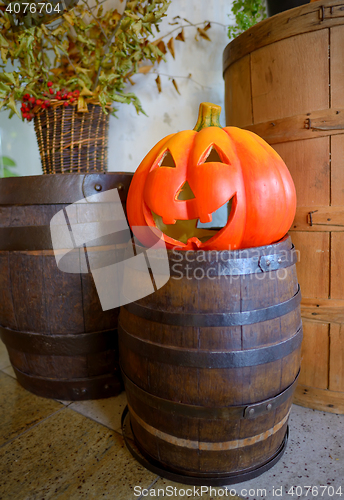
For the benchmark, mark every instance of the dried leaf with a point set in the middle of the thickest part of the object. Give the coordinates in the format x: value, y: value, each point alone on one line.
x: 3, y: 41
x: 207, y: 27
x: 86, y: 92
x: 68, y: 18
x: 158, y: 83
x: 175, y: 86
x: 162, y: 47
x: 170, y: 47
x: 145, y: 69
x: 57, y: 71
x: 82, y: 105
x: 4, y: 55
x: 181, y: 36
x: 12, y: 106
x: 203, y: 34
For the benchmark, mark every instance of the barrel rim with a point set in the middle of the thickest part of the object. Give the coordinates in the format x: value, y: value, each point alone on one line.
x: 60, y: 188
x: 271, y: 30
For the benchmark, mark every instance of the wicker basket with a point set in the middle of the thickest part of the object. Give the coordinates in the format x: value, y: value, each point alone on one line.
x: 70, y: 141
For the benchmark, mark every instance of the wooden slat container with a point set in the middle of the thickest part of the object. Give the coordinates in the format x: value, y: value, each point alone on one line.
x: 60, y: 342
x: 210, y: 362
x: 284, y: 80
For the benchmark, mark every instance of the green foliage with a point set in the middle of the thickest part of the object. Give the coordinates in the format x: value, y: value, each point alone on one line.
x: 247, y: 13
x: 89, y: 49
x: 6, y: 165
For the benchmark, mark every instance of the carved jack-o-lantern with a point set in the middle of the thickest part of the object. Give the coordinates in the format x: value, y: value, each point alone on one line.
x: 189, y: 175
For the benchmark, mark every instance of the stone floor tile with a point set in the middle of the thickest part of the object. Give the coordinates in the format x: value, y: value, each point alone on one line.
x: 9, y: 370
x: 19, y: 409
x: 105, y: 411
x: 4, y: 359
x: 67, y: 457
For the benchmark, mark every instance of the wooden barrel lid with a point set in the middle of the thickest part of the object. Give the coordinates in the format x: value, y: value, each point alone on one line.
x: 310, y: 17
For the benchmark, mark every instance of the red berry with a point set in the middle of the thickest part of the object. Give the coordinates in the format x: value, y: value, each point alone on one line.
x: 43, y: 106
x: 58, y: 92
x: 51, y: 91
x: 47, y: 103
x: 59, y: 97
x: 50, y: 84
x: 32, y: 100
x: 26, y: 97
x: 76, y: 93
x: 38, y: 102
x: 71, y: 99
x: 65, y: 103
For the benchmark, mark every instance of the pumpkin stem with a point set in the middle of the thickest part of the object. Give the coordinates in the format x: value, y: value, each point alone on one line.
x: 208, y: 116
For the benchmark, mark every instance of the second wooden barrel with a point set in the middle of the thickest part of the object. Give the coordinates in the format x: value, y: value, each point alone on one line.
x: 210, y: 362
x: 60, y: 342
x: 284, y: 81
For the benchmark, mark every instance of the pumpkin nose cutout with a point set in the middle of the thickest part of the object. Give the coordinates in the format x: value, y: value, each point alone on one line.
x: 185, y: 193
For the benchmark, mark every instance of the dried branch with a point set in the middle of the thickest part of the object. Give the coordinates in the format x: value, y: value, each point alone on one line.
x: 106, y: 48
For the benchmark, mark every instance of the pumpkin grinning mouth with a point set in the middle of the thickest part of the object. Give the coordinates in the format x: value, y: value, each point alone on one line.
x: 184, y: 230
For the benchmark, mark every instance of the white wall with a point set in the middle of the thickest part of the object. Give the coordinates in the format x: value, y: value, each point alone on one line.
x: 131, y: 136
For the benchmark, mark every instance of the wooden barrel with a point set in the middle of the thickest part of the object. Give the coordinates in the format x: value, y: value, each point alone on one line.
x: 284, y: 81
x: 210, y: 362
x: 60, y: 342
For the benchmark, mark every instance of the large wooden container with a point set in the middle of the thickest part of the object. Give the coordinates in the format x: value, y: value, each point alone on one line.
x: 284, y: 80
x: 60, y: 342
x: 210, y: 362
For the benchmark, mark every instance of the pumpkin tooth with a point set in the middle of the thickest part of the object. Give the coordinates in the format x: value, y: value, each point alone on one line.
x: 167, y: 221
x: 206, y: 218
x: 194, y: 242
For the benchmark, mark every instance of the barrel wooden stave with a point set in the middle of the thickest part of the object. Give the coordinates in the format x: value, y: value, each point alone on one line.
x: 193, y: 444
x: 38, y: 298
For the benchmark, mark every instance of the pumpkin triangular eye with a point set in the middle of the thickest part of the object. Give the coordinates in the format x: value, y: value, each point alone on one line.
x: 167, y: 160
x: 213, y: 156
x: 186, y: 192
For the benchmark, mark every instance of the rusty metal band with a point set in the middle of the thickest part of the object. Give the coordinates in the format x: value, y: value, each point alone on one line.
x: 61, y: 188
x: 223, y: 413
x: 229, y: 264
x: 36, y: 238
x: 59, y: 345
x: 79, y: 389
x: 209, y: 359
x: 216, y: 319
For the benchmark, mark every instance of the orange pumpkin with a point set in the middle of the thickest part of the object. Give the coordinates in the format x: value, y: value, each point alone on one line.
x: 189, y: 175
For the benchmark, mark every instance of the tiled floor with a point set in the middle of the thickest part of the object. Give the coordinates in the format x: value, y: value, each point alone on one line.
x: 59, y: 450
